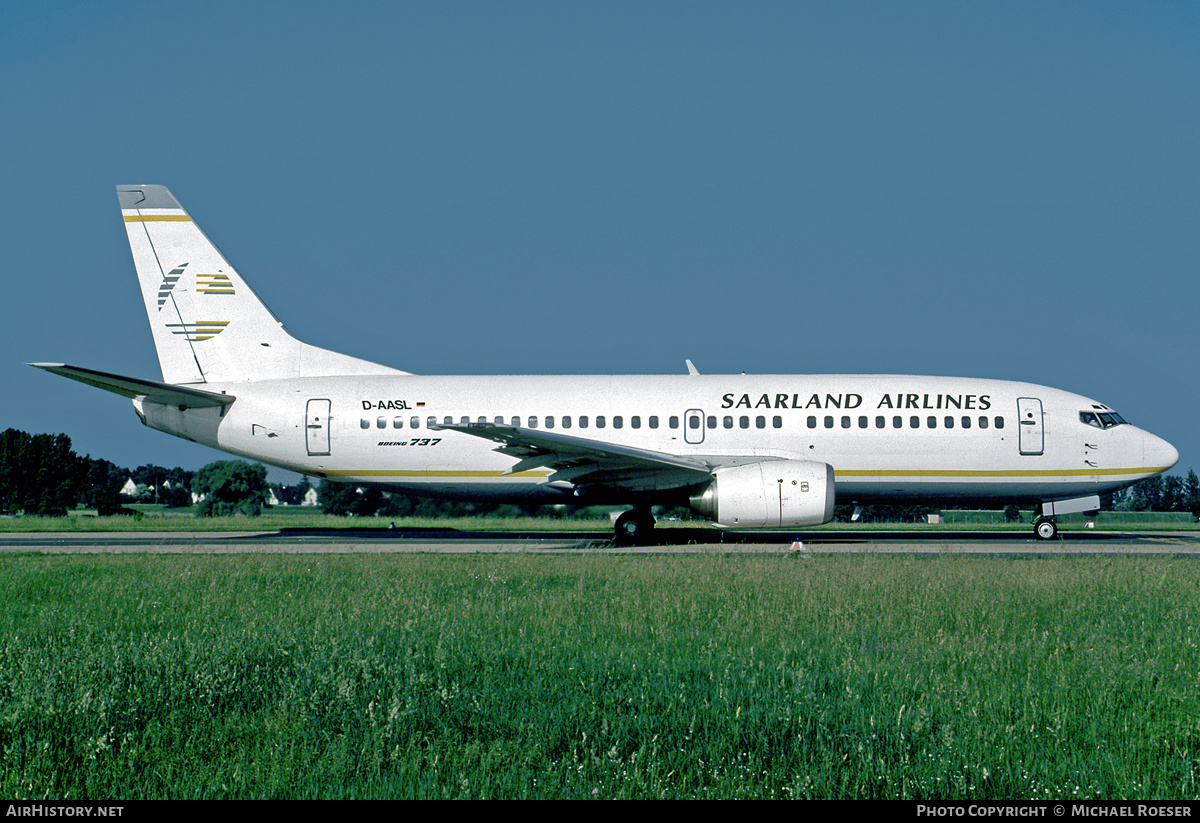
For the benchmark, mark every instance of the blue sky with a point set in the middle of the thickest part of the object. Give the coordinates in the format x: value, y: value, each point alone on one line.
x: 1005, y: 190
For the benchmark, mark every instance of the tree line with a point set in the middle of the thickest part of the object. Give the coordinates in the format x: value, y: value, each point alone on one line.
x: 41, y: 475
x: 1161, y: 493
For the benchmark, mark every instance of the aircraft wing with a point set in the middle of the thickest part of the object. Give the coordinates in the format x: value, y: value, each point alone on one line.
x: 583, y: 462
x: 155, y: 392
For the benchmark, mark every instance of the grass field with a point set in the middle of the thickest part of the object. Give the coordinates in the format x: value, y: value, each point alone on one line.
x: 514, y: 676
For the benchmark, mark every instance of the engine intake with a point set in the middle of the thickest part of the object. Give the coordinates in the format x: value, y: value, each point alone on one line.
x: 769, y: 493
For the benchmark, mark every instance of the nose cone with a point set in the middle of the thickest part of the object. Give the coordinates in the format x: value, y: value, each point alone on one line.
x: 1158, y: 453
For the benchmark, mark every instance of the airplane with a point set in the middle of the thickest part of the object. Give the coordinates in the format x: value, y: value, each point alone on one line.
x: 746, y: 451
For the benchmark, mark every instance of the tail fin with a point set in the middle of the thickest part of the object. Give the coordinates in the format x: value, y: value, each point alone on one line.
x: 208, y: 325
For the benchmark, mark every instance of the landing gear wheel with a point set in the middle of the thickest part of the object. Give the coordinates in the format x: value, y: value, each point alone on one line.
x: 633, y: 528
x: 1045, y: 529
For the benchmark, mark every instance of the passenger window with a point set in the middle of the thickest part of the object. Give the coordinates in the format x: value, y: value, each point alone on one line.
x: 914, y: 422
x: 635, y: 422
x: 880, y: 422
x: 712, y: 421
x: 999, y: 422
x: 618, y: 421
x: 415, y: 423
x: 760, y: 422
x: 583, y: 421
x: 694, y: 421
x: 566, y: 421
x: 654, y: 421
x: 932, y: 422
x: 812, y: 422
x: 381, y: 422
x: 431, y: 421
x: 777, y: 422
x: 516, y: 421
x: 448, y: 420
x: 728, y: 422
x: 983, y: 421
x: 398, y: 423
x: 862, y: 422
x: 897, y: 422
x: 464, y: 420
x: 966, y: 421
x: 828, y: 421
x: 532, y: 421
x: 549, y: 421
x: 744, y: 422
x: 364, y: 423
x: 949, y: 422
x: 845, y: 421
x: 600, y: 421
x: 673, y: 422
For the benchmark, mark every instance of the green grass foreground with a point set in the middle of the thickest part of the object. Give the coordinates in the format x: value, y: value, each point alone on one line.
x: 512, y: 676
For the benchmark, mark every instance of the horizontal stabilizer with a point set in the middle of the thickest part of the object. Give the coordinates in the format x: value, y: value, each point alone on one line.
x: 153, y: 391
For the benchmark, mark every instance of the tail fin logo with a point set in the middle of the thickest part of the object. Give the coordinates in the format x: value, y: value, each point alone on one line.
x: 206, y: 284
x: 200, y: 330
x: 168, y: 283
x: 218, y: 283
x: 214, y: 284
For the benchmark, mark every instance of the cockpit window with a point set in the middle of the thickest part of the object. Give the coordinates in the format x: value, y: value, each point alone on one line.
x: 1101, y: 420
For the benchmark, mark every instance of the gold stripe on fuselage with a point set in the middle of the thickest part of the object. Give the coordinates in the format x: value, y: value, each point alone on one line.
x: 430, y: 473
x: 839, y: 473
x: 994, y: 472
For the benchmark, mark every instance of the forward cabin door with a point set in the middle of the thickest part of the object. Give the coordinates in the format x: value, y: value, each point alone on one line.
x: 316, y: 427
x: 1029, y: 417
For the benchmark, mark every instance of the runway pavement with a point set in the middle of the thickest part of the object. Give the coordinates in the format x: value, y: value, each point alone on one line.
x: 666, y: 541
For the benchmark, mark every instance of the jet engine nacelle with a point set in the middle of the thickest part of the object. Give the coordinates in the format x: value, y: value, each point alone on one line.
x: 769, y: 493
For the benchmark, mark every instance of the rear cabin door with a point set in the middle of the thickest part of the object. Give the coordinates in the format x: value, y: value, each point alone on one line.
x: 316, y: 427
x: 1029, y: 418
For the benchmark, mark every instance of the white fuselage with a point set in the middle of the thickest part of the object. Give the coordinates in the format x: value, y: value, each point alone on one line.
x: 886, y: 436
x: 743, y: 450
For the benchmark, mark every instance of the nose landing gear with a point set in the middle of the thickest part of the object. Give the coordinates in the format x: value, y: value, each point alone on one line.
x: 1045, y: 528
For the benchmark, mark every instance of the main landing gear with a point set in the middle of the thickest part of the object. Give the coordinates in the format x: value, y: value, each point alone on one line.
x: 1045, y: 528
x: 634, y: 527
